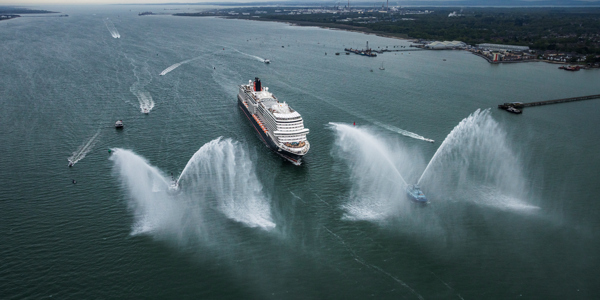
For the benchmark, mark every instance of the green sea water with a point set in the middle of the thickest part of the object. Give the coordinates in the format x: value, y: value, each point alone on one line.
x: 513, y: 209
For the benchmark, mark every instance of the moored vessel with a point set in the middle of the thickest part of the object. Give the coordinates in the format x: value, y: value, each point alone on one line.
x: 280, y: 127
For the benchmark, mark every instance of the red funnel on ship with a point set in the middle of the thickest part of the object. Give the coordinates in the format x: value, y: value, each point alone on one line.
x: 257, y: 85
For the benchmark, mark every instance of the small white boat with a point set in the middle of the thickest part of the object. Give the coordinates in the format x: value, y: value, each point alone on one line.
x: 119, y: 124
x: 146, y: 111
x: 381, y: 68
x: 266, y: 61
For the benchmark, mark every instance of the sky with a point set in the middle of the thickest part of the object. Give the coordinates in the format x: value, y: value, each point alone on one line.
x: 84, y: 2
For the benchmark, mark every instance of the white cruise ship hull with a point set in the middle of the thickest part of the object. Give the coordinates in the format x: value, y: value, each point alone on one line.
x: 292, y: 157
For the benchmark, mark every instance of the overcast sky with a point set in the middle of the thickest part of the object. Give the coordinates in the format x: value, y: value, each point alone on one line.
x: 47, y: 2
x: 81, y: 2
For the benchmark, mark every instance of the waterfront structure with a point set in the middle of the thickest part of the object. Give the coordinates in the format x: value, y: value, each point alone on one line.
x: 500, y: 47
x: 445, y: 45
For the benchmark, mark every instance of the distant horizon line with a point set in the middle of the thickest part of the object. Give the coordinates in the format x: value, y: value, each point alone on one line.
x: 310, y: 3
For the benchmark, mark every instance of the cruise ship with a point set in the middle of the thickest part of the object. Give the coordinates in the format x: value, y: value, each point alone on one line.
x: 280, y: 127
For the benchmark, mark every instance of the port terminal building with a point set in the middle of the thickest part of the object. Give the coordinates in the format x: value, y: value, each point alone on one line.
x: 499, y: 47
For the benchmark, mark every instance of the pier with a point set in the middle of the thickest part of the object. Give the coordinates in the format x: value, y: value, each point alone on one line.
x: 517, y: 105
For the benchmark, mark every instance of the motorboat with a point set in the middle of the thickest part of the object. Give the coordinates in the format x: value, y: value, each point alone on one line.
x: 119, y: 124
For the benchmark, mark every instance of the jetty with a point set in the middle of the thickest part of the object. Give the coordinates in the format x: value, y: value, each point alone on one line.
x: 364, y: 52
x: 520, y: 105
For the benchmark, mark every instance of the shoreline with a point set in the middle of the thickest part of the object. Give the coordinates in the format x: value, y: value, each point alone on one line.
x: 342, y: 27
x: 358, y: 29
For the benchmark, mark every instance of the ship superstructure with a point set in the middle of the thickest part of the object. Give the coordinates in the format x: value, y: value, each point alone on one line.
x: 280, y: 127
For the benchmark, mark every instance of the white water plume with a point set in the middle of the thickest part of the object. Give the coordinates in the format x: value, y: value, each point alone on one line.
x: 221, y: 169
x: 83, y: 149
x: 154, y: 209
x: 111, y: 28
x: 175, y: 66
x: 219, y: 177
x: 378, y: 188
x: 476, y: 163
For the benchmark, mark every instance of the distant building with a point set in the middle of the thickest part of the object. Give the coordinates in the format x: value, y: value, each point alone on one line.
x: 445, y: 45
x: 500, y: 47
x: 496, y: 57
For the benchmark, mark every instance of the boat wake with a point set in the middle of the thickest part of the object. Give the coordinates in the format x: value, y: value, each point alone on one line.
x: 83, y: 150
x: 112, y: 29
x: 143, y: 78
x: 145, y: 99
x: 250, y: 55
x: 219, y: 177
x: 403, y: 132
x: 175, y: 66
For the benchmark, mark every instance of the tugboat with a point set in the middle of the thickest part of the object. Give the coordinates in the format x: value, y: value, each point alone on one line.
x: 174, y: 186
x: 415, y: 194
x: 119, y: 124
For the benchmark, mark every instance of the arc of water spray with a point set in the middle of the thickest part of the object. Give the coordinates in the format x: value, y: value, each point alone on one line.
x: 376, y: 147
x: 452, y: 137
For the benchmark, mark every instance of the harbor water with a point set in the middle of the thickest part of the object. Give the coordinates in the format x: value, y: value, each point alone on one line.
x: 512, y: 212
